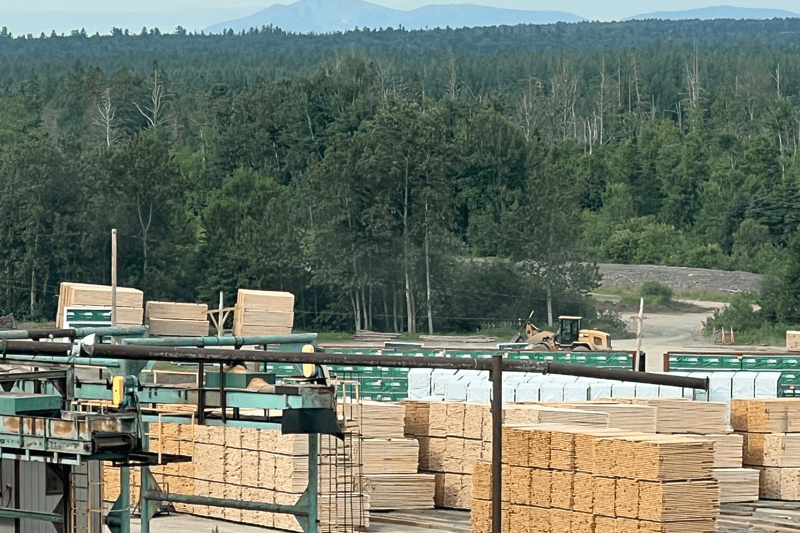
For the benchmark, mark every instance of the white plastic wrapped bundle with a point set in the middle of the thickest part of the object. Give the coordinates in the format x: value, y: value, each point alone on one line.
x: 744, y: 384
x: 479, y: 391
x: 419, y: 383
x: 767, y: 384
x: 456, y: 391
x: 439, y: 378
x: 528, y: 392
x: 720, y: 386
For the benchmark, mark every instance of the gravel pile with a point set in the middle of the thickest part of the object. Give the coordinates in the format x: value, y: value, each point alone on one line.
x: 680, y: 279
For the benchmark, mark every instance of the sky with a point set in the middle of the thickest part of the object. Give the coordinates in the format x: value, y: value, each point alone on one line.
x: 36, y: 16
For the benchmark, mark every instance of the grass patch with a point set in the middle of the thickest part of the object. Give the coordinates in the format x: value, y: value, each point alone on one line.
x: 765, y: 335
x: 704, y: 295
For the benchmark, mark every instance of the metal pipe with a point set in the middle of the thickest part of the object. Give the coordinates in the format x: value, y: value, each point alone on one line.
x: 63, y: 359
x: 145, y: 510
x: 73, y: 333
x: 157, y: 353
x: 222, y: 502
x: 313, y: 479
x: 202, y: 342
x: 497, y: 443
x: 125, y: 498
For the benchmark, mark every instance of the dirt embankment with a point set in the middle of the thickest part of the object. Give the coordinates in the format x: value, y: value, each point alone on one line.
x: 680, y: 279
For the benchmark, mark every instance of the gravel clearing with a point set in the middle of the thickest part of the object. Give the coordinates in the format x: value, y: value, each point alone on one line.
x: 680, y: 279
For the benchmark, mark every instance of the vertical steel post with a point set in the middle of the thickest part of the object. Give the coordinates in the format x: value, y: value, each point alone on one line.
x: 145, y: 507
x: 497, y: 442
x: 113, y: 277
x: 125, y: 497
x: 313, y: 480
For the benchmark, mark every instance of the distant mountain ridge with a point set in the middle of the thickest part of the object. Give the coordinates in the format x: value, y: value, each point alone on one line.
x: 325, y: 16
x: 718, y: 12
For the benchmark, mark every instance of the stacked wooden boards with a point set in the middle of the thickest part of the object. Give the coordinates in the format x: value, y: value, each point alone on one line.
x: 263, y: 313
x: 129, y: 301
x: 176, y: 319
x: 711, y: 421
x: 243, y: 464
x: 771, y: 432
x: 453, y: 435
x: 615, y: 478
x: 389, y: 460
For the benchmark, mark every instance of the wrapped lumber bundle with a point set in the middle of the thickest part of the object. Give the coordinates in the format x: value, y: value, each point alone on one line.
x: 129, y: 301
x: 263, y: 313
x: 176, y: 319
x: 399, y: 491
x: 737, y: 484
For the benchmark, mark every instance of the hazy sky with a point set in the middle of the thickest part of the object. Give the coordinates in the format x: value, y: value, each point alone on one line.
x: 196, y: 14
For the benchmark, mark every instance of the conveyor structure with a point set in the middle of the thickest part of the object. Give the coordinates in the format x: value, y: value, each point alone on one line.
x: 49, y: 413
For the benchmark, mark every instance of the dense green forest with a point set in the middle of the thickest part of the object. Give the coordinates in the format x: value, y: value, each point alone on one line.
x: 401, y: 180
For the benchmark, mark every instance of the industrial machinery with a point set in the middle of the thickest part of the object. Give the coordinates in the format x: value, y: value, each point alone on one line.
x: 568, y: 337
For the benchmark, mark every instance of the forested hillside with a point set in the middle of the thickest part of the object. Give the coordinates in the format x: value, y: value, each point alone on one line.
x: 394, y: 179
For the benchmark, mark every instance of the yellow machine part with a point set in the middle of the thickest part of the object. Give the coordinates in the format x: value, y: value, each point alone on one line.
x: 118, y: 390
x: 598, y: 340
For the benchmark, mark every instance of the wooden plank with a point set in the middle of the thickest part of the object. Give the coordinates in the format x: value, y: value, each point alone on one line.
x: 174, y: 327
x: 176, y: 311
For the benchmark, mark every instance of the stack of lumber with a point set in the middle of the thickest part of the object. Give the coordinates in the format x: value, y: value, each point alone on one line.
x: 249, y: 465
x: 727, y: 449
x: 263, y: 313
x: 129, y: 301
x: 771, y: 432
x: 390, y: 461
x: 515, y: 414
x: 375, y: 336
x: 737, y: 484
x: 677, y: 415
x: 381, y: 420
x: 793, y: 340
x: 632, y: 417
x: 176, y: 319
x: 629, y: 481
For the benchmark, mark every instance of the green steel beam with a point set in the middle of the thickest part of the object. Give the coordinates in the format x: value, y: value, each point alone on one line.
x: 31, y: 515
x: 105, y: 331
x: 231, y: 422
x: 308, y: 396
x: 64, y: 359
x: 203, y: 342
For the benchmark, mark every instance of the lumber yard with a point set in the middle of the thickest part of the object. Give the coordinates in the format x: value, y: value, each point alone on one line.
x: 129, y: 414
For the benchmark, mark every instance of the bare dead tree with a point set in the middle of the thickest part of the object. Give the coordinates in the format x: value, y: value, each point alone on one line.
x: 694, y: 91
x: 106, y: 118
x: 530, y: 112
x: 563, y: 99
x: 155, y: 110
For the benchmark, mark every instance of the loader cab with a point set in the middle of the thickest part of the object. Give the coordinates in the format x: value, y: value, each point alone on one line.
x: 569, y: 328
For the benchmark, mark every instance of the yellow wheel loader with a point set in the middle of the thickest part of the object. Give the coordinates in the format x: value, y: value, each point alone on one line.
x: 568, y: 337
